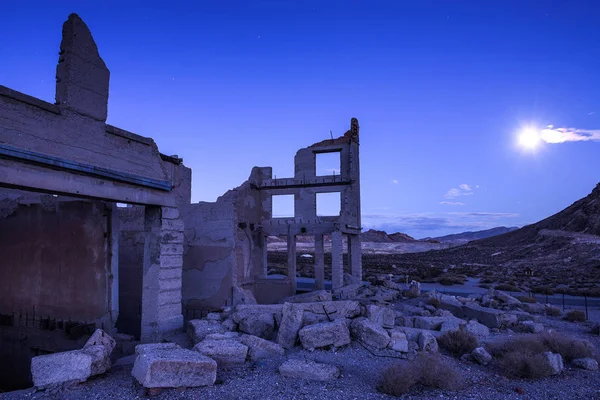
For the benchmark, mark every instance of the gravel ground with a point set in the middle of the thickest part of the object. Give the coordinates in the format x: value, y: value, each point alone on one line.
x: 360, y: 374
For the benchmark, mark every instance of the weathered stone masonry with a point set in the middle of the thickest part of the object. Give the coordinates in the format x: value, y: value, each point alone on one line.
x: 85, y: 166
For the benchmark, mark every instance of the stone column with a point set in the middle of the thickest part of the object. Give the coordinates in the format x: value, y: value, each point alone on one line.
x: 355, y: 256
x: 163, y: 262
x: 291, y: 248
x: 265, y: 257
x: 319, y: 263
x: 337, y: 260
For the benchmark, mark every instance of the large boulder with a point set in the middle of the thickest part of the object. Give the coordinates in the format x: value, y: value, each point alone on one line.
x: 310, y: 370
x: 244, y: 310
x: 586, y: 363
x: 403, y: 320
x: 348, y: 292
x: 477, y: 329
x: 333, y: 309
x: 100, y: 346
x: 489, y: 317
x: 506, y: 298
x: 259, y: 349
x: 261, y: 325
x: 383, y: 316
x: 58, y: 368
x: 398, y: 340
x: 197, y: 329
x: 481, y: 356
x: 325, y: 334
x: 435, y: 323
x: 310, y: 297
x: 291, y: 323
x: 243, y: 296
x: 370, y: 333
x: 172, y: 367
x: 534, y: 308
x: 225, y: 352
x: 551, y: 362
x: 428, y: 343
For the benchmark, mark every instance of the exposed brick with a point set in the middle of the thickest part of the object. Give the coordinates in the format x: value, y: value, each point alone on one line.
x: 169, y: 297
x: 169, y: 310
x: 171, y: 261
x: 170, y: 284
x: 169, y: 273
x: 171, y: 249
x: 171, y: 237
x: 173, y: 225
x: 170, y: 213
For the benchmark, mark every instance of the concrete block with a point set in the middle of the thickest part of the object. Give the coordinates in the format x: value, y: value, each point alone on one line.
x: 59, y: 368
x: 225, y: 352
x: 325, y: 334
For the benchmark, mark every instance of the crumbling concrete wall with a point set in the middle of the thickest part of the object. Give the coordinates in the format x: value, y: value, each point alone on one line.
x: 55, y: 257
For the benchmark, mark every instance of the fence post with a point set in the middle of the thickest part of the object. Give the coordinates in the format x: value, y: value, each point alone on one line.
x: 586, y: 308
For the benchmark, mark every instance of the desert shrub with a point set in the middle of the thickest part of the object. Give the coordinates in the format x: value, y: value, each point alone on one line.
x: 526, y: 299
x: 458, y: 342
x: 427, y: 370
x: 487, y: 280
x: 409, y: 295
x: 507, y: 287
x: 553, y: 311
x: 449, y: 280
x: 485, y: 285
x: 543, y: 290
x: 575, y: 315
x: 523, y: 365
x: 520, y: 356
x: 595, y: 329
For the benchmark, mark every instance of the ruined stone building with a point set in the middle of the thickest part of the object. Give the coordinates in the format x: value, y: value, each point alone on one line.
x: 97, y: 229
x: 225, y: 241
x: 63, y: 169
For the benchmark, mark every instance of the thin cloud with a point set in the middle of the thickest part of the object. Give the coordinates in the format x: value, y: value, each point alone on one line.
x: 465, y: 187
x: 452, y: 203
x: 561, y: 135
x: 463, y: 190
x: 395, y: 181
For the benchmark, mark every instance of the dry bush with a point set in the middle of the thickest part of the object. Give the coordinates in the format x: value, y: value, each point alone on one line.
x: 458, y: 342
x: 553, y: 311
x: 575, y: 315
x: 485, y: 285
x: 519, y: 356
x: 595, y: 329
x: 526, y: 299
x: 409, y: 295
x: 427, y: 370
x: 449, y: 280
x: 505, y: 287
x: 543, y: 290
x: 521, y: 364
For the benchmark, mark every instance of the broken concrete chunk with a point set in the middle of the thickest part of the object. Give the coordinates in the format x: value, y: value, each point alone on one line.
x: 506, y: 298
x: 402, y: 320
x: 168, y: 367
x: 225, y: 352
x: 489, y: 317
x: 586, y: 363
x: 243, y: 296
x: 428, y: 342
x: 214, y: 316
x: 477, y: 329
x: 100, y: 346
x: 310, y: 370
x: 261, y: 325
x: 383, y: 316
x: 481, y: 356
x: 59, y: 368
x: 435, y: 323
x: 99, y: 337
x: 222, y: 336
x: 290, y: 325
x: 310, y: 297
x: 369, y: 333
x: 398, y: 340
x: 259, y: 349
x: 197, y: 329
x: 325, y: 334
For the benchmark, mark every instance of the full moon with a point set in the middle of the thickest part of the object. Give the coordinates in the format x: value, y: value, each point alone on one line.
x: 529, y: 138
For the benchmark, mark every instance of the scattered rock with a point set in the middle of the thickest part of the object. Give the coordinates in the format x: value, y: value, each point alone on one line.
x: 489, y: 317
x: 506, y: 298
x: 259, y: 349
x: 224, y: 352
x: 290, y: 325
x: 243, y: 296
x: 310, y: 370
x: 348, y: 292
x: 213, y: 316
x: 586, y: 363
x: 530, y: 327
x: 261, y: 325
x: 477, y: 329
x: 534, y: 308
x: 197, y: 329
x: 402, y: 320
x: 59, y: 368
x: 481, y: 356
x: 414, y: 289
x: 100, y: 346
x: 162, y: 367
x: 310, y: 297
x: 398, y: 340
x: 435, y: 323
x: 325, y: 334
x: 222, y: 336
x: 381, y: 315
x: 427, y: 342
x: 552, y: 362
x: 369, y: 333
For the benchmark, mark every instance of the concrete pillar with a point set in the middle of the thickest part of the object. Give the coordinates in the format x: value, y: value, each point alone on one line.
x: 337, y: 260
x: 291, y: 248
x: 113, y: 240
x: 354, y: 256
x: 265, y: 257
x: 319, y: 263
x: 161, y: 282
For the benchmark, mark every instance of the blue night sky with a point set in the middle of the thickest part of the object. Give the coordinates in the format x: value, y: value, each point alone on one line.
x: 441, y: 90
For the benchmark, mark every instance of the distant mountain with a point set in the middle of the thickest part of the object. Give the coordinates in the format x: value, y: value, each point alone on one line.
x: 559, y: 248
x: 375, y: 236
x: 465, y: 237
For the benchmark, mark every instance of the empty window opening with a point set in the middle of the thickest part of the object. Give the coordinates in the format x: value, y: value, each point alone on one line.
x: 282, y: 206
x: 327, y: 164
x: 329, y: 204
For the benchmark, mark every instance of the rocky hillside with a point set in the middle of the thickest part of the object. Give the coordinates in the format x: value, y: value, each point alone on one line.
x: 466, y: 237
x: 563, y: 249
